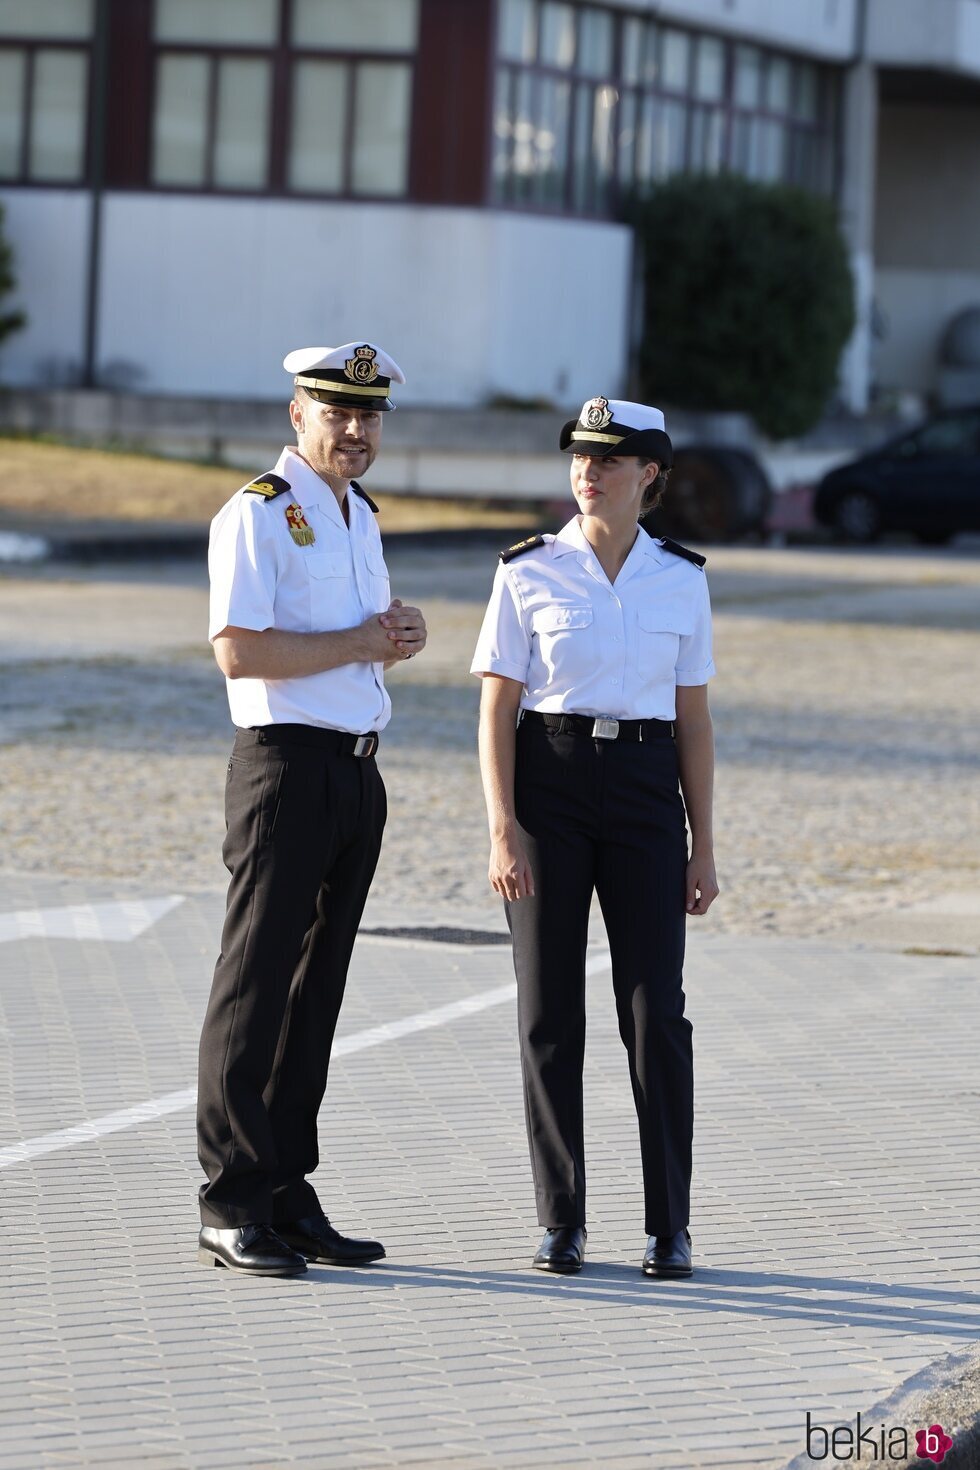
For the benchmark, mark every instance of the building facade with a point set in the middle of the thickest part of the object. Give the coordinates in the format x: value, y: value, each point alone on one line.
x: 192, y: 187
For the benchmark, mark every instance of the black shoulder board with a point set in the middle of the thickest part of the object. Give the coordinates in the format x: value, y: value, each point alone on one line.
x: 268, y: 486
x: 683, y: 551
x: 364, y: 495
x: 526, y: 545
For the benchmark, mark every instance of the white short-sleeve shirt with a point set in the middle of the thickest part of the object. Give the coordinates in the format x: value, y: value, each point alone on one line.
x: 581, y: 645
x: 262, y: 578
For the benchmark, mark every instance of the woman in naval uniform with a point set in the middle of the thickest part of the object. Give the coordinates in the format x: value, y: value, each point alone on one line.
x: 595, y: 654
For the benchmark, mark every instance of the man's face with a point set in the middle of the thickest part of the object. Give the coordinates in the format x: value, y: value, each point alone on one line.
x: 336, y: 441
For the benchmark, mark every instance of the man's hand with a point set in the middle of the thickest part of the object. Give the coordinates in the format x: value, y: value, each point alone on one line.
x: 405, y: 631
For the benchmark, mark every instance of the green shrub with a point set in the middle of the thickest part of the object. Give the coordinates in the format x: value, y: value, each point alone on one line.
x: 748, y: 299
x: 10, y: 321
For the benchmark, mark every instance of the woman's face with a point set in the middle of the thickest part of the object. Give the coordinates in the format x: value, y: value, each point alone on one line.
x: 611, y: 487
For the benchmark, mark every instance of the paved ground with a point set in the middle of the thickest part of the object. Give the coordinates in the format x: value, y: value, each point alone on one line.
x: 836, y: 1206
x: 834, y: 990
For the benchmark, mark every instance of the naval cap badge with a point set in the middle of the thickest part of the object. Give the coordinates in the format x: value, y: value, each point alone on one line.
x: 597, y: 413
x: 362, y: 368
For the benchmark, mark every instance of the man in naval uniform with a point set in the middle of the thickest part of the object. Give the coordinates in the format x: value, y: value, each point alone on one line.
x: 303, y: 627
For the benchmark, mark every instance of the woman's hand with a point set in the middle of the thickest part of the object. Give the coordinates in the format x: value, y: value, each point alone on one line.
x: 702, y: 885
x: 510, y: 872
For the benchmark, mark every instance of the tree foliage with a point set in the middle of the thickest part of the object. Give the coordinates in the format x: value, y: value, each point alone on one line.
x: 10, y: 321
x: 748, y: 299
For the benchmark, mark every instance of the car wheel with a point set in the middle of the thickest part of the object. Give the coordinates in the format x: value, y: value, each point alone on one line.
x: 934, y: 538
x: 857, y: 517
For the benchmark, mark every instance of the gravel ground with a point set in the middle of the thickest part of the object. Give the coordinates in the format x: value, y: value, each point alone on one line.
x: 846, y: 708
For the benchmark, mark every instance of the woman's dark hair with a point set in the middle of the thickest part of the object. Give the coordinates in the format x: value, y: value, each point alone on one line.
x: 654, y: 492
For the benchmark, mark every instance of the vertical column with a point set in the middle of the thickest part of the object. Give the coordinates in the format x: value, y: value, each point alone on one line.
x: 858, y: 185
x: 453, y: 102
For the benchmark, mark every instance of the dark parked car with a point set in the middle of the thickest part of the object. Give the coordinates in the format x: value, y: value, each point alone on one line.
x: 715, y: 494
x: 926, y: 482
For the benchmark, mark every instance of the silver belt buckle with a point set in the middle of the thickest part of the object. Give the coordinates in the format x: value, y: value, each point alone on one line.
x: 605, y: 728
x: 365, y: 745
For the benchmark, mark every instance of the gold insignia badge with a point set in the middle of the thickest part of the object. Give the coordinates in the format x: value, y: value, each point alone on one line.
x: 597, y: 414
x: 263, y: 488
x: 362, y: 368
x: 299, y: 528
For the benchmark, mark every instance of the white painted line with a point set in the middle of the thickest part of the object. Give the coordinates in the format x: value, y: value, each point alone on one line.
x: 175, y: 1102
x: 117, y: 922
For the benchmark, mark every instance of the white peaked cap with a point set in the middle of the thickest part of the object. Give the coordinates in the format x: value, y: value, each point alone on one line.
x: 634, y: 416
x: 309, y: 359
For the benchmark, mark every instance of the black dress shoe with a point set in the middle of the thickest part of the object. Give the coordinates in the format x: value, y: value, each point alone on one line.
x: 562, y: 1250
x: 254, y: 1249
x: 668, y: 1255
x: 317, y: 1240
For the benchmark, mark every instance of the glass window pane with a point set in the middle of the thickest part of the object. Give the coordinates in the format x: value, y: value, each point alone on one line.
x: 319, y: 117
x: 503, y: 131
x: 233, y: 22
x: 58, y: 115
x: 644, y: 141
x: 772, y: 150
x: 523, y: 126
x: 748, y: 76
x: 551, y: 141
x: 69, y: 20
x: 778, y: 84
x: 669, y: 138
x: 707, y: 139
x: 557, y: 34
x: 602, y: 140
x: 632, y: 49
x: 180, y: 120
x: 805, y: 92
x: 380, y: 154
x: 516, y: 27
x: 13, y: 71
x: 356, y: 25
x: 626, y: 138
x: 595, y: 43
x: 582, y: 151
x: 241, y: 144
x: 675, y: 56
x: 709, y: 70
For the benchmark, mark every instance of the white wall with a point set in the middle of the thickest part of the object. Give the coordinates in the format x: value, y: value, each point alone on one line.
x: 48, y: 229
x: 207, y: 295
x: 926, y: 233
x: 916, y: 307
x: 823, y: 29
x: 940, y: 34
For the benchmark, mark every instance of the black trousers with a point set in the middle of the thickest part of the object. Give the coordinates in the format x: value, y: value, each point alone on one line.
x: 304, y: 829
x: 603, y: 816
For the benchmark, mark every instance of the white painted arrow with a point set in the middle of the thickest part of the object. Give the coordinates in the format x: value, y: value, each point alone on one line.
x: 118, y: 922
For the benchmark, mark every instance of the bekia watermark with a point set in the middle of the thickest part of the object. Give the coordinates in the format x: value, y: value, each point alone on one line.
x: 883, y: 1442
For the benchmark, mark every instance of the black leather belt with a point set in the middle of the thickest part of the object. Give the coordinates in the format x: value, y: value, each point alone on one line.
x: 337, y: 741
x: 603, y: 727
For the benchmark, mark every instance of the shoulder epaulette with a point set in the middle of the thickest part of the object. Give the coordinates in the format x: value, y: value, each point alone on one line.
x: 364, y: 495
x: 269, y: 486
x: 684, y: 551
x: 526, y: 545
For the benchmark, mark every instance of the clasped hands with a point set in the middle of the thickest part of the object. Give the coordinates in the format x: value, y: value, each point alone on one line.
x: 402, y: 630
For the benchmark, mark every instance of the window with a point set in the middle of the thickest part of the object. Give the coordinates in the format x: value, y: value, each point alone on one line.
x: 44, y: 71
x: 340, y: 79
x: 593, y: 101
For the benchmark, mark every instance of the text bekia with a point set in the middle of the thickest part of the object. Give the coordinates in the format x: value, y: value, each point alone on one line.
x: 881, y: 1443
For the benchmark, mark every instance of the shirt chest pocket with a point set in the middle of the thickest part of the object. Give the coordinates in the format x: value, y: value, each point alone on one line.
x: 659, y: 635
x: 323, y: 564
x: 564, y: 637
x: 378, y: 581
x: 328, y: 575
